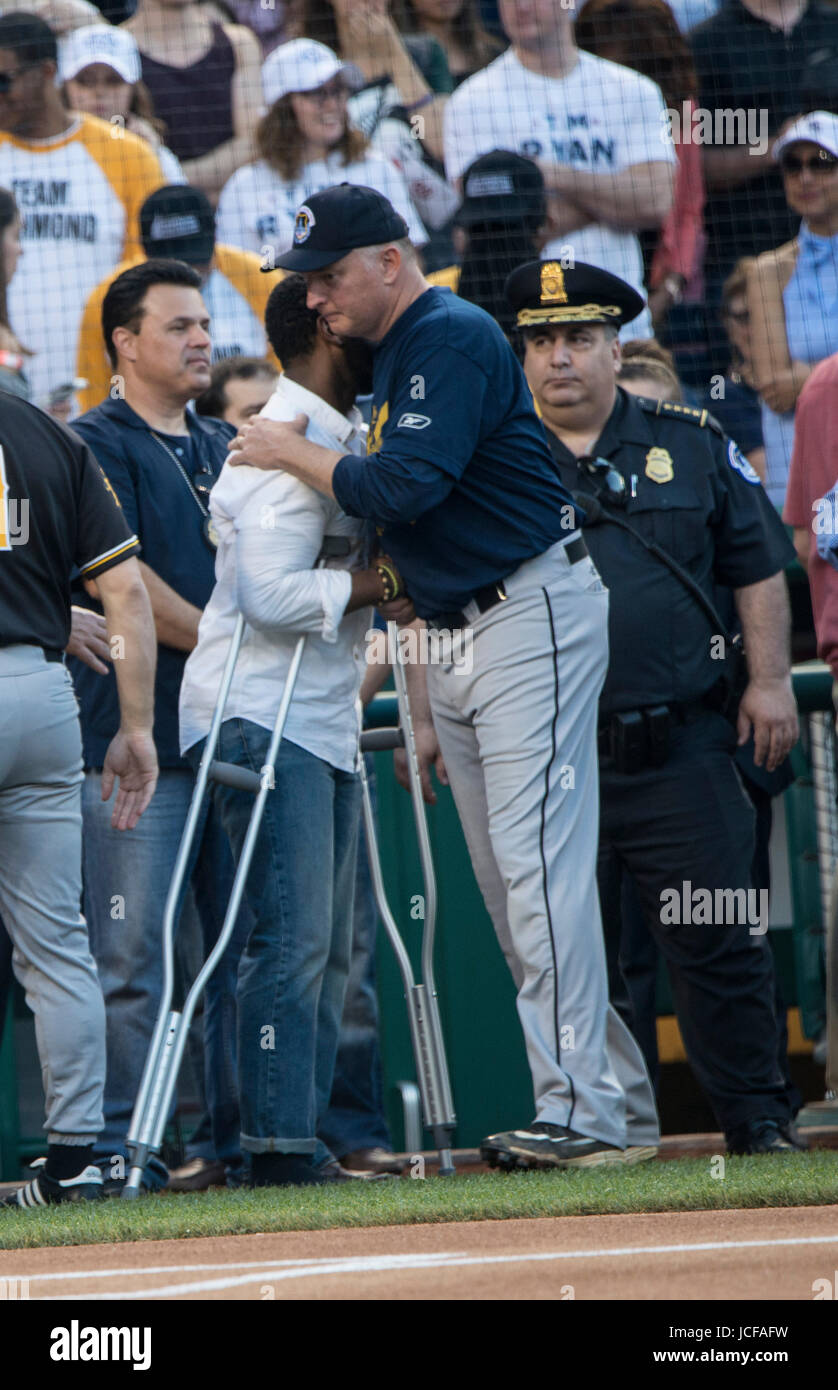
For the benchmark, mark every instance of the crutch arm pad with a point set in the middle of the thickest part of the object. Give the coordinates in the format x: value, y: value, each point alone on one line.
x: 380, y: 740
x: 231, y: 775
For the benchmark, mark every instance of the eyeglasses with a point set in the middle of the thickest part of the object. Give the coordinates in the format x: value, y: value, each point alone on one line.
x: 821, y: 163
x: 609, y: 477
x: 7, y: 79
x: 320, y: 95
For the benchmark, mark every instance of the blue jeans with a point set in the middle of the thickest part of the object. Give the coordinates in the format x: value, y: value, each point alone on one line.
x: 355, y: 1118
x: 126, y: 880
x: 295, y: 963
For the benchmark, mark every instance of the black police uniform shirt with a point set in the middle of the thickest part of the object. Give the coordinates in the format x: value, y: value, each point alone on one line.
x: 161, y: 508
x: 699, y: 499
x: 458, y: 476
x: 58, y: 513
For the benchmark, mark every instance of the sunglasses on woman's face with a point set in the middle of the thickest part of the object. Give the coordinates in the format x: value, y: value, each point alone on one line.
x: 821, y: 163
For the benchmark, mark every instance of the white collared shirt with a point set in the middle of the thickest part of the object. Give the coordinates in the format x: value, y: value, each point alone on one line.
x: 271, y: 528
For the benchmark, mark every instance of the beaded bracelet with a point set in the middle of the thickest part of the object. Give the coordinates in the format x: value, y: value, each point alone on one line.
x: 390, y: 579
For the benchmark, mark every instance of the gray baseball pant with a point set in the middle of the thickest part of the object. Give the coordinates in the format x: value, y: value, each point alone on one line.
x: 40, y: 886
x: 518, y: 736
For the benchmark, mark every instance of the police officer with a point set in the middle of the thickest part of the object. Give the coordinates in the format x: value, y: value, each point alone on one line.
x: 58, y: 512
x: 674, y: 815
x: 461, y: 485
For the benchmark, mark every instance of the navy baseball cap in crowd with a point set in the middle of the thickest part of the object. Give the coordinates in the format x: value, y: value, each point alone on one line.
x: 547, y: 292
x: 337, y: 221
x: 502, y: 187
x: 178, y: 222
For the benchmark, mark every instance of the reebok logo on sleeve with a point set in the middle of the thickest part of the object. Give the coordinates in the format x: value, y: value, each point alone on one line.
x: 409, y: 421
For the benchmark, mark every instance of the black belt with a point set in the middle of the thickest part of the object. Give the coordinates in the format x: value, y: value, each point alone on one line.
x: 492, y: 594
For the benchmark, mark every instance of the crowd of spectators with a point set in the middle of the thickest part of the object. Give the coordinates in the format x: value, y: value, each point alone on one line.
x: 654, y: 129
x: 691, y: 148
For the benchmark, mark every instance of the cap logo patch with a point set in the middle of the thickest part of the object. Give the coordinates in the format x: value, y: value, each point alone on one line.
x: 303, y: 223
x: 552, y: 284
x: 659, y: 465
x: 166, y: 226
x: 490, y: 186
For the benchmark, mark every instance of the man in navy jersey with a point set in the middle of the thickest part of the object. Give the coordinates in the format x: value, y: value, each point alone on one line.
x: 460, y: 484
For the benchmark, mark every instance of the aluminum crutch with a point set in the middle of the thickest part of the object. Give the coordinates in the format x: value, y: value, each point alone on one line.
x: 421, y: 998
x: 154, y: 1097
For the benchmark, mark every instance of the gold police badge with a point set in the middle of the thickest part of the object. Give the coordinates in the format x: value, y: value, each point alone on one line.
x: 659, y: 465
x: 552, y: 284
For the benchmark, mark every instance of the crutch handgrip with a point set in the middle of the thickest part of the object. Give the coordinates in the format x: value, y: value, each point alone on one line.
x: 380, y: 740
x: 230, y: 775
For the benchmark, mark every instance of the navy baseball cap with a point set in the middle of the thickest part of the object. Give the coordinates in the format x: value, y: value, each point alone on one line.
x: 502, y: 187
x: 178, y: 223
x: 547, y: 292
x: 337, y: 221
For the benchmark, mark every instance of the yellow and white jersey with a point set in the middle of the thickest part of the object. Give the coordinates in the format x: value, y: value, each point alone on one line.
x: 235, y: 293
x: 79, y: 195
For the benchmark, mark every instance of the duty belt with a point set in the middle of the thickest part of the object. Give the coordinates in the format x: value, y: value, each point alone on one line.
x: 637, y: 739
x: 492, y: 594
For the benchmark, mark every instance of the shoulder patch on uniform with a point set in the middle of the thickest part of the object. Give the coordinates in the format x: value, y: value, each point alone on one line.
x: 673, y: 409
x: 737, y: 460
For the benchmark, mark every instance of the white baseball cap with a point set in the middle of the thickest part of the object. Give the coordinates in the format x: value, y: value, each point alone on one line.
x: 302, y: 65
x: 821, y: 127
x: 99, y: 43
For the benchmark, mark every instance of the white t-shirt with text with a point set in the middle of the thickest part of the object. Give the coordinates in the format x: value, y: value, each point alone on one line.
x: 600, y: 118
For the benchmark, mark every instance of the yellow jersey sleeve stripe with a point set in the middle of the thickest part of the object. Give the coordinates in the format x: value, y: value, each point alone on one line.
x: 448, y: 278
x: 131, y: 168
x: 122, y: 549
x: 92, y: 362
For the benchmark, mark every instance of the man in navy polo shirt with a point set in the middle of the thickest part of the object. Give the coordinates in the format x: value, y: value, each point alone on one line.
x: 460, y: 483
x: 161, y: 460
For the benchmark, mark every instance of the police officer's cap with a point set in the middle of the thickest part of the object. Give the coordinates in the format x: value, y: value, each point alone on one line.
x: 547, y: 292
x: 340, y: 219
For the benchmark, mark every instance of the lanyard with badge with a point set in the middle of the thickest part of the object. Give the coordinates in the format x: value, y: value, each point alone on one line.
x: 200, y: 487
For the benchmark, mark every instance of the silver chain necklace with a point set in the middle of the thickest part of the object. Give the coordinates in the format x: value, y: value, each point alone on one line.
x: 210, y: 531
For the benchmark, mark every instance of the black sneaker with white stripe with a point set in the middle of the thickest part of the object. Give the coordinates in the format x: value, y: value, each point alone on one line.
x: 543, y: 1145
x: 44, y: 1191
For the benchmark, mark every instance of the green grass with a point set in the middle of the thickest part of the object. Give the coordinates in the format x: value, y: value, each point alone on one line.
x: 806, y: 1179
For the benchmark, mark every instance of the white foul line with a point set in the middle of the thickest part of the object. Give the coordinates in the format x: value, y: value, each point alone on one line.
x: 364, y: 1264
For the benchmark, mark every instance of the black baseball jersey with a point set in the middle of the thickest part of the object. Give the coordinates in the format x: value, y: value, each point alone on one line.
x: 58, y: 512
x: 688, y: 488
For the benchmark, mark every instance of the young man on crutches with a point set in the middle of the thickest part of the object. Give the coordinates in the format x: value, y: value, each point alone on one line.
x: 271, y: 530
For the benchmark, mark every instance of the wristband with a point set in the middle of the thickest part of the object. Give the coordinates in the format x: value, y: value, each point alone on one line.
x: 423, y: 101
